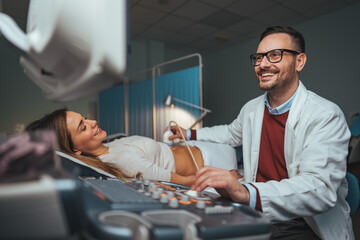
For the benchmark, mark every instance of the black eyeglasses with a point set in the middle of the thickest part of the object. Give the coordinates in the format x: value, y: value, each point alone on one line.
x: 273, y: 56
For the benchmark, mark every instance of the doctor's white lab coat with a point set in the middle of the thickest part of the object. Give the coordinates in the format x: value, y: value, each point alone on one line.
x: 316, y: 146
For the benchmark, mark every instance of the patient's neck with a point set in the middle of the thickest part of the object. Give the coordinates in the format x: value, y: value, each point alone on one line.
x: 101, y: 151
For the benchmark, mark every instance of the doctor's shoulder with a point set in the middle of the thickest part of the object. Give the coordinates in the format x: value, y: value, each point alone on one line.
x: 322, y: 105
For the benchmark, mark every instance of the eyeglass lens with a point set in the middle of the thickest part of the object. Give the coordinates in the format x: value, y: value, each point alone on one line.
x: 273, y: 56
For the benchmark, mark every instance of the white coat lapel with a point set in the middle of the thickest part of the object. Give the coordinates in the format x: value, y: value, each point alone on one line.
x: 291, y: 123
x: 256, y: 120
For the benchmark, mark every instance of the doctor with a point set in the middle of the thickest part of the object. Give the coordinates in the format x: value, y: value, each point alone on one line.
x: 295, y: 145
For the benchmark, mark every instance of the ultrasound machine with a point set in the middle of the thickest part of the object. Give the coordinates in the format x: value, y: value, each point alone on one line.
x: 142, y: 209
x: 76, y: 48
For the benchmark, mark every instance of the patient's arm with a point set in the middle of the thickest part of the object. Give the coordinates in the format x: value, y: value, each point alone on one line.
x: 183, y: 180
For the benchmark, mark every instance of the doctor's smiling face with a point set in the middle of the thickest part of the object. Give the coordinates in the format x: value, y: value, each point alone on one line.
x: 278, y: 71
x: 85, y: 134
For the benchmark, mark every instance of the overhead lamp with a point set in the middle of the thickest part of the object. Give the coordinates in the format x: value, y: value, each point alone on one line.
x: 169, y: 99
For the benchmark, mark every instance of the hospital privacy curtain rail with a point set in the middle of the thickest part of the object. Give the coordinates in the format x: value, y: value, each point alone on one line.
x: 139, y: 109
x: 186, y: 86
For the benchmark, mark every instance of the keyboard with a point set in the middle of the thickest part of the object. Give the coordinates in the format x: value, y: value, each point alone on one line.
x: 122, y: 196
x: 167, y: 211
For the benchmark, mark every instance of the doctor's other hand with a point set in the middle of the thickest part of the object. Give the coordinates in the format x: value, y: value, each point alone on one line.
x: 224, y: 182
x: 176, y: 131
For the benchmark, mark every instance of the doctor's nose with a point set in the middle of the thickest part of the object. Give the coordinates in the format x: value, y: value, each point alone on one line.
x: 265, y: 63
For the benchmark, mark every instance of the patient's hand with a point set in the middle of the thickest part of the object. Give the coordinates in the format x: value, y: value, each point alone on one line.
x: 235, y: 173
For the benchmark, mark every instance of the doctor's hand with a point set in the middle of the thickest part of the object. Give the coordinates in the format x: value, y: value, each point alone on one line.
x: 176, y: 131
x: 224, y: 182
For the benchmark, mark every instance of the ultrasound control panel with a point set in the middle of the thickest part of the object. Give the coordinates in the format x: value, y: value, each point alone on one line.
x: 143, y: 209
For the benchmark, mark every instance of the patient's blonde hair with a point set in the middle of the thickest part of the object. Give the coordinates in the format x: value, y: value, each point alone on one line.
x: 56, y: 121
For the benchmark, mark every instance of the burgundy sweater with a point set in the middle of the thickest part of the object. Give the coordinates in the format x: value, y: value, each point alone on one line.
x: 272, y: 164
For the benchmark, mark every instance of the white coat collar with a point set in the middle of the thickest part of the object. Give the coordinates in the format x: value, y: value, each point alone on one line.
x: 297, y: 106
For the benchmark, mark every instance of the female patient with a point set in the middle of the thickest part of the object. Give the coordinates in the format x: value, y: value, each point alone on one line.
x: 82, y: 138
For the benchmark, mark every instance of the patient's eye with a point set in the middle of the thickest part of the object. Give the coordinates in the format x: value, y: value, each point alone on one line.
x: 84, y: 128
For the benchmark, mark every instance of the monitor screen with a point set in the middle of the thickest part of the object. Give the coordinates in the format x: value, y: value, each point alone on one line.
x: 72, y: 49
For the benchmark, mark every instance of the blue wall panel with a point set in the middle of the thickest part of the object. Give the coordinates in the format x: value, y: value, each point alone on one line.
x: 184, y: 85
x: 140, y: 109
x: 111, y: 110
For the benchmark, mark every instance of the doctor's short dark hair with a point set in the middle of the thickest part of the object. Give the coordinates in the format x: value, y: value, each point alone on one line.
x: 297, y: 37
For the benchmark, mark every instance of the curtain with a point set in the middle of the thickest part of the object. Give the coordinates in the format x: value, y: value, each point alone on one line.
x: 183, y: 85
x: 111, y: 110
x: 140, y: 108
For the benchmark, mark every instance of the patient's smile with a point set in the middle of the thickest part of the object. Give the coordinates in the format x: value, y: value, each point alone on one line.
x: 99, y: 130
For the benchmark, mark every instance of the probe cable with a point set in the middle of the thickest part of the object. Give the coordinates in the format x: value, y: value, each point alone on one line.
x: 182, y: 135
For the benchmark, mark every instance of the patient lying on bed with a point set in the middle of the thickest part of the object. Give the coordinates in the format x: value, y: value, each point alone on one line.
x: 129, y: 156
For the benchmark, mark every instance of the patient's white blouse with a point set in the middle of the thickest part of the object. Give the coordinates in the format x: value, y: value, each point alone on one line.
x: 141, y: 154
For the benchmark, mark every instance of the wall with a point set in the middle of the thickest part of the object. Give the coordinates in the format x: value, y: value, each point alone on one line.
x: 21, y: 101
x: 331, y: 70
x: 145, y: 55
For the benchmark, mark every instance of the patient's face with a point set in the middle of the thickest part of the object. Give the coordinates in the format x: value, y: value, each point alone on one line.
x: 86, y: 135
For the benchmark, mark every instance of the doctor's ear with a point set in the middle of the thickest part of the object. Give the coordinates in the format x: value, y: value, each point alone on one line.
x: 300, y: 61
